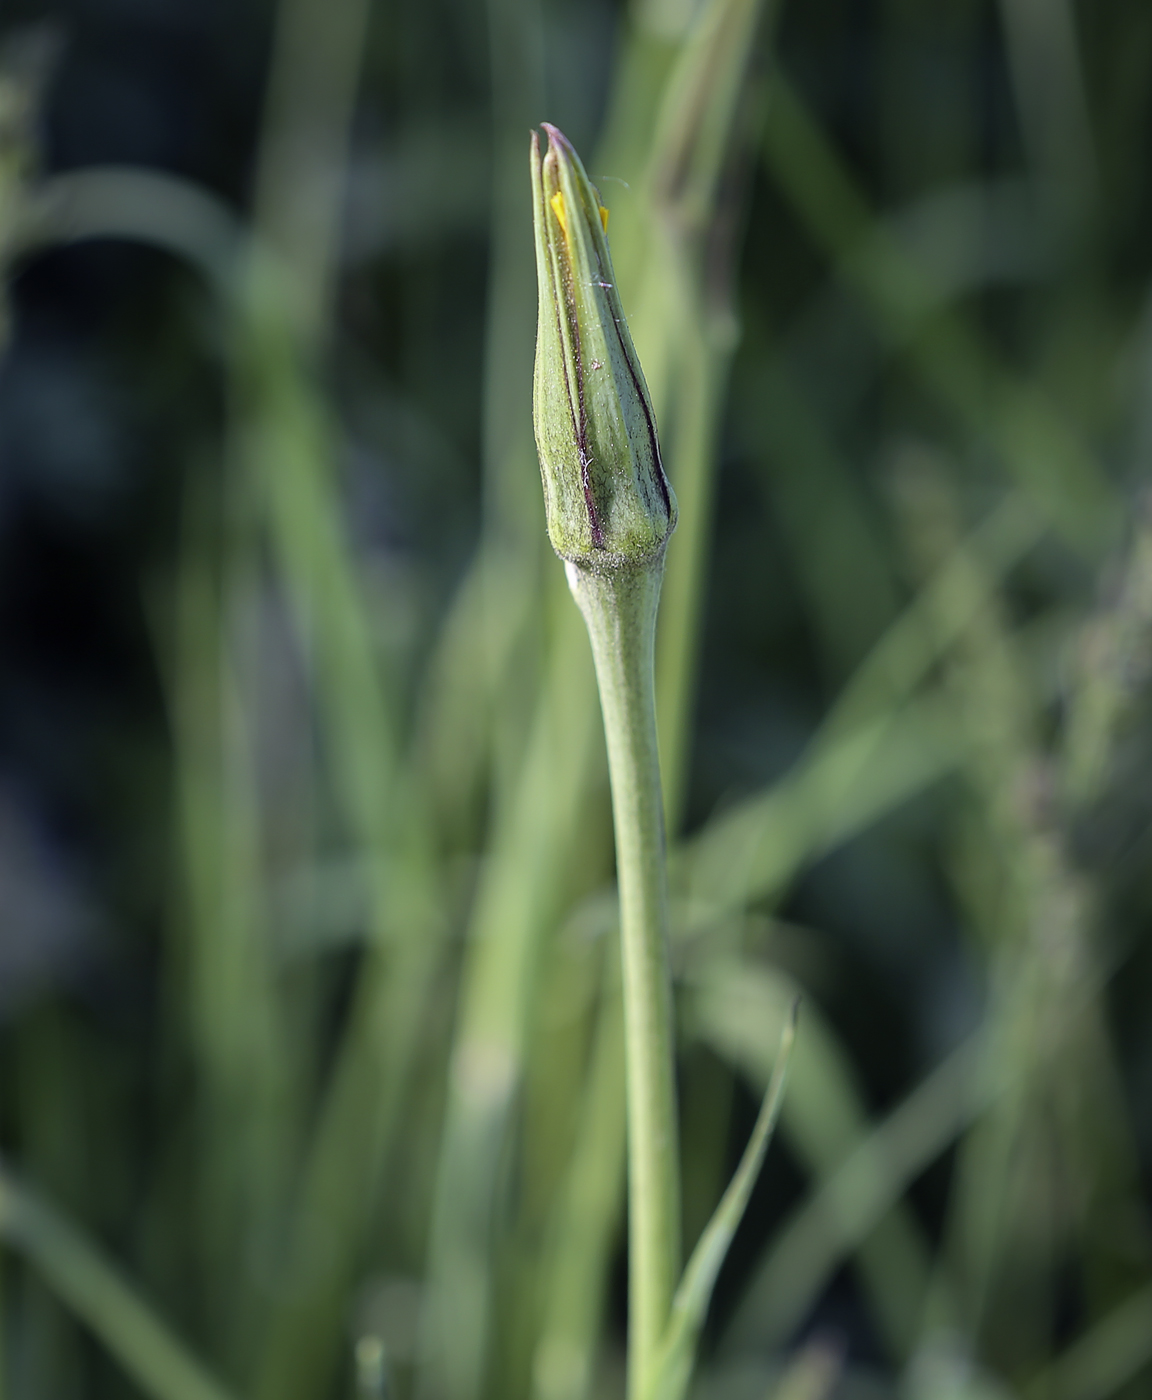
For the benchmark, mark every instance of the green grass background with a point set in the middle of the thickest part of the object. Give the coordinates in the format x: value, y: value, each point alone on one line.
x: 886, y: 266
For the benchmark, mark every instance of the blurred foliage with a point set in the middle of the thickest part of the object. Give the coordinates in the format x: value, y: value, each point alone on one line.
x: 310, y: 1078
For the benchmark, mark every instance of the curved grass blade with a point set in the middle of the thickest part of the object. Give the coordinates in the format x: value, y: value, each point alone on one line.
x: 102, y: 1298
x: 690, y: 1305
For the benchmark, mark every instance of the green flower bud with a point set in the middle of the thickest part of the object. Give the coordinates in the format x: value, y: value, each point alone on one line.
x: 608, y: 501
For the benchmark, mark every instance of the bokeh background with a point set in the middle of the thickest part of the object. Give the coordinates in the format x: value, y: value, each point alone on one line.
x: 310, y: 1075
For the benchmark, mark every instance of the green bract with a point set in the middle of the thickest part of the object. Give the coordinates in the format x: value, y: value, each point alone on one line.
x: 609, y: 504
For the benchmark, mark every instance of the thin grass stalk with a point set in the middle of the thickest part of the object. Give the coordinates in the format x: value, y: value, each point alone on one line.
x: 520, y: 899
x: 507, y: 568
x: 232, y: 1016
x: 359, y: 1114
x: 696, y: 196
x: 675, y: 245
x: 574, y: 1281
x: 705, y: 372
x: 285, y: 440
x: 50, y: 1093
x: 302, y: 155
x: 1043, y: 53
x: 510, y: 648
x: 678, y: 250
x: 516, y: 74
x: 562, y: 1034
x: 1112, y: 672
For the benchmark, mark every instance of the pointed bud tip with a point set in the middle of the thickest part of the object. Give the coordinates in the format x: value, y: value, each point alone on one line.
x: 556, y: 137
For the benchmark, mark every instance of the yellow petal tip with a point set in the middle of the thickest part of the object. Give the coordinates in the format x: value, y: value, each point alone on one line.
x: 557, y: 203
x: 604, y: 218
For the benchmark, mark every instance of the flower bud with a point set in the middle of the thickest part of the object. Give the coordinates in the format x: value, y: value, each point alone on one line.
x: 608, y: 503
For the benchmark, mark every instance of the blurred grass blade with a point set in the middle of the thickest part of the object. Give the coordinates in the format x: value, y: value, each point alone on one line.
x: 699, y: 118
x: 289, y: 443
x: 146, y: 206
x: 850, y: 1202
x: 102, y: 1298
x: 675, y: 251
x: 301, y: 167
x: 946, y: 351
x: 817, y: 491
x: 917, y: 639
x: 872, y: 751
x: 1112, y: 674
x: 735, y: 1005
x: 511, y: 524
x: 813, y: 1373
x: 520, y: 899
x: 690, y: 1304
x: 686, y: 318
x: 285, y: 444
x: 1047, y: 75
x: 1109, y: 1356
x: 575, y: 1277
x: 223, y: 960
x: 1043, y: 1024
x: 754, y: 850
x: 900, y: 291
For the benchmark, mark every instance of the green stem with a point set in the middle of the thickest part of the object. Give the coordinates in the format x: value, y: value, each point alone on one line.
x: 620, y: 610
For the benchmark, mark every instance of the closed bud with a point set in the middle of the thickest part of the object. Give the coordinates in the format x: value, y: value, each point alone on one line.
x: 608, y: 503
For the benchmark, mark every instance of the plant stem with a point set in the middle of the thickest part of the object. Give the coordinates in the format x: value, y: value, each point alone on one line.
x: 620, y: 610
